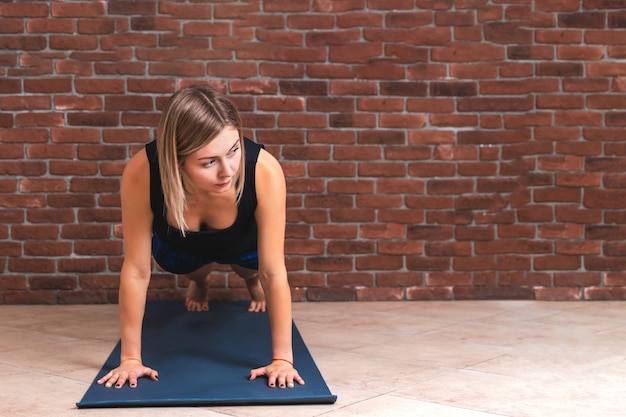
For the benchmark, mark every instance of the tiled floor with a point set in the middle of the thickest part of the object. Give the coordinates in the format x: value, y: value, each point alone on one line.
x: 478, y: 358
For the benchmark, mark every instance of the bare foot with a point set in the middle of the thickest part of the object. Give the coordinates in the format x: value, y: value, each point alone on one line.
x: 256, y: 293
x: 197, y: 298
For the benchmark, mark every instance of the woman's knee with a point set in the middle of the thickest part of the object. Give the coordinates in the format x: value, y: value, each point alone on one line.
x: 245, y: 273
x: 201, y: 273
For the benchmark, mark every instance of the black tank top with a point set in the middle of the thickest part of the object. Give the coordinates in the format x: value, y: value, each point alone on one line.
x: 238, y: 239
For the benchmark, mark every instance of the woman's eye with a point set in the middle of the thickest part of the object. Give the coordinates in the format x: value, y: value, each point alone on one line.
x: 234, y: 151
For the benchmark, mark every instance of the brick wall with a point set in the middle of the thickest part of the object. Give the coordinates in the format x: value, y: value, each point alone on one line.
x: 434, y: 149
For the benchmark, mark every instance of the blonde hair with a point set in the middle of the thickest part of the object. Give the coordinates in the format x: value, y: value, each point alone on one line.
x: 192, y: 117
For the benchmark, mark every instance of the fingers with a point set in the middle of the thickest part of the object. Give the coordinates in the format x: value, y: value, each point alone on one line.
x: 281, y: 378
x: 111, y: 378
x: 132, y: 380
x: 299, y: 379
x: 287, y: 380
x: 121, y: 380
x: 257, y: 372
x: 154, y: 375
x: 106, y: 379
x: 119, y: 377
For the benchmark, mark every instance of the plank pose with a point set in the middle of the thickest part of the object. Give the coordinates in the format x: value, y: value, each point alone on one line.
x: 202, y: 194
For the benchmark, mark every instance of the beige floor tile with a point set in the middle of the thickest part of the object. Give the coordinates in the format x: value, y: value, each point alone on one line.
x: 13, y: 338
x: 60, y: 358
x: 390, y: 405
x: 552, y: 395
x: 375, y: 375
x: 340, y: 337
x: 345, y: 397
x: 36, y: 394
x: 423, y: 349
x: 465, y: 358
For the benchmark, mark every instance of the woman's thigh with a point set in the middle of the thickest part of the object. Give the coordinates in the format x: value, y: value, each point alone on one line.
x: 245, y: 273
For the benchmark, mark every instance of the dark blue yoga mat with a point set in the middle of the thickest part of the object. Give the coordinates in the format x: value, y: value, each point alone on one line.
x: 205, y: 359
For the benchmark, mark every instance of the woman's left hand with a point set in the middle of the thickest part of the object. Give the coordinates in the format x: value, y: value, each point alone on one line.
x: 279, y: 373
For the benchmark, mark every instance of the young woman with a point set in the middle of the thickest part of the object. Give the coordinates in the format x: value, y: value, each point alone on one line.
x: 201, y: 194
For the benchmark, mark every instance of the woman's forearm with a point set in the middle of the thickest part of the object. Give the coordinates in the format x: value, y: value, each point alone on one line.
x: 132, y: 299
x: 278, y: 296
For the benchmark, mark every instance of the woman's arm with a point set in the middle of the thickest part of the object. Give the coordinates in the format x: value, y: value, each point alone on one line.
x: 136, y: 269
x: 271, y: 219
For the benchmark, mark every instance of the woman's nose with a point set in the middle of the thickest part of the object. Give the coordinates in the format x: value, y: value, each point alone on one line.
x: 226, y: 170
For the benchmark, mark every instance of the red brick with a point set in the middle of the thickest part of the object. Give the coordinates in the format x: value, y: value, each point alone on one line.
x: 30, y: 297
x: 370, y: 169
x: 51, y: 216
x: 331, y: 294
x: 82, y: 265
x: 96, y: 26
x: 400, y: 215
x: 352, y: 120
x: 429, y: 294
x: 615, y: 279
x: 575, y: 215
x: 380, y: 294
x: 561, y: 231
x: 605, y: 294
x: 23, y: 201
x: 558, y: 294
x: 26, y: 103
x: 77, y: 103
x: 352, y: 215
x: 42, y: 185
x: 24, y: 135
x: 564, y: 36
x: 431, y: 136
x: 377, y: 151
x: 11, y: 249
x: 495, y: 104
x: 423, y: 263
x: 427, y: 71
x: 39, y: 119
x: 75, y: 135
x: 130, y: 68
x: 606, y: 69
x: 578, y: 248
x: 304, y: 186
x: 468, y: 52
x: 380, y: 71
x: 30, y: 265
x: 99, y: 215
x: 350, y: 187
x: 389, y: 231
x: 487, y: 293
x: 557, y: 262
x: 100, y: 86
x: 352, y: 247
x: 95, y: 248
x: 13, y: 282
x: 614, y: 180
x: 23, y: 10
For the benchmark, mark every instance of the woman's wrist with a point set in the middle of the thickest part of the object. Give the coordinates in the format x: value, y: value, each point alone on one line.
x: 282, y: 360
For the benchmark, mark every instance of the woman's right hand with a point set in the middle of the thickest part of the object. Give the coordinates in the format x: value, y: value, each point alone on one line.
x: 129, y: 371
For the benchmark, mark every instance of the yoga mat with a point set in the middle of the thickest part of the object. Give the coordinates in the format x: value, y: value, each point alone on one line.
x: 205, y: 359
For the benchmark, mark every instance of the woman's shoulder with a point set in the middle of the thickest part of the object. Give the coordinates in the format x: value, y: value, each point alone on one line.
x: 268, y: 169
x: 252, y: 149
x: 137, y: 170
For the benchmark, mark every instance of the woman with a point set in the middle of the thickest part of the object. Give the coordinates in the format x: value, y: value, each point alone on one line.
x: 201, y: 194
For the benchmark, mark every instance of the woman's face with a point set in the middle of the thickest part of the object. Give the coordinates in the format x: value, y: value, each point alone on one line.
x: 213, y: 168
